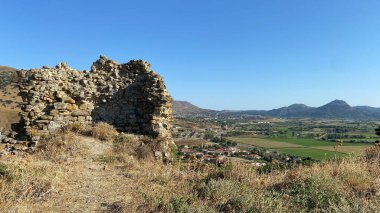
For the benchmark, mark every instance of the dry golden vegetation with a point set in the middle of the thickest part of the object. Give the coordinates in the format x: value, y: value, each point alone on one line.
x: 9, y: 101
x: 8, y: 117
x: 75, y: 173
x: 103, y: 131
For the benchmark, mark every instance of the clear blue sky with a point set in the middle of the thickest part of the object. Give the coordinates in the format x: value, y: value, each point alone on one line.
x: 219, y: 54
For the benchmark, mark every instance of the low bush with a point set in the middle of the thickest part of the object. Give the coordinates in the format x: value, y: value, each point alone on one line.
x: 78, y: 127
x: 58, y: 147
x: 311, y: 193
x: 146, y: 146
x: 4, y: 172
x: 125, y: 144
x: 103, y: 131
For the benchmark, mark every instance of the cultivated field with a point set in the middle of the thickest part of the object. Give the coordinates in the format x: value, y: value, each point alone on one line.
x: 319, y: 150
x: 264, y: 143
x: 345, y: 149
x: 312, y: 142
x: 314, y: 153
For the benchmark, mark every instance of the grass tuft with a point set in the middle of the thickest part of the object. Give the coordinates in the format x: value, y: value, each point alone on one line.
x: 103, y: 131
x: 4, y: 172
x: 58, y: 147
x: 78, y: 127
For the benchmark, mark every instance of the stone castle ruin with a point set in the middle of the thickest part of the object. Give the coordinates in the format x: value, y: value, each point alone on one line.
x: 129, y: 96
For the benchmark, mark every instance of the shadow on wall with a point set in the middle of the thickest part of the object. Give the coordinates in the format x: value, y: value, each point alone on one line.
x: 133, y: 108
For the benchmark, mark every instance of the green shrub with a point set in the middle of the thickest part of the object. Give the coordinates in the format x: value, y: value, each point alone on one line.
x: 120, y: 139
x: 4, y: 172
x: 109, y: 158
x: 227, y: 195
x: 233, y: 196
x: 180, y: 204
x: 312, y: 194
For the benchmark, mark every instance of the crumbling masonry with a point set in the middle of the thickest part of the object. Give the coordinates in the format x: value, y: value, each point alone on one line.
x: 129, y: 96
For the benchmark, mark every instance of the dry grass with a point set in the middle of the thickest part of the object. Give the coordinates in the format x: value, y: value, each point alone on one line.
x: 125, y: 144
x: 58, y: 147
x: 9, y: 109
x: 78, y: 127
x: 347, y: 185
x: 146, y: 148
x: 84, y: 173
x: 103, y: 131
x: 8, y: 116
x: 140, y: 147
x: 28, y: 180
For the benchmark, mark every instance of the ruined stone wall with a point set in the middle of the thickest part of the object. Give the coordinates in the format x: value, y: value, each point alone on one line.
x: 129, y: 96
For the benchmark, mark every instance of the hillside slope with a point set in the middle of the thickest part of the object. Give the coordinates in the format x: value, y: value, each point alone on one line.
x: 6, y: 69
x: 186, y: 109
x: 9, y: 99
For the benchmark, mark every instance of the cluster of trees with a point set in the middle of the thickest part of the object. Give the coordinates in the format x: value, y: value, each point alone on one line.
x: 209, y: 135
x: 280, y: 160
x: 257, y: 127
x: 224, y: 142
x: 307, y: 161
x: 269, y: 156
x: 344, y: 136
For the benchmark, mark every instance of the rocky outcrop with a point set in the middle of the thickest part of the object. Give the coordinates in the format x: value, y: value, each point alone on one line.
x: 130, y: 96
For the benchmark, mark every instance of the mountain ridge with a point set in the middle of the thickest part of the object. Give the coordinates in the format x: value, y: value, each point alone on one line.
x: 337, y: 109
x: 187, y: 109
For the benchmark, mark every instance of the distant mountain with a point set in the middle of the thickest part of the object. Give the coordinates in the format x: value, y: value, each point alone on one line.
x: 295, y: 110
x: 336, y: 109
x: 186, y: 109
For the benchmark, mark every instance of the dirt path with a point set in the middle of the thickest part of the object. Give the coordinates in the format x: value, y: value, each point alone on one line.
x: 90, y: 185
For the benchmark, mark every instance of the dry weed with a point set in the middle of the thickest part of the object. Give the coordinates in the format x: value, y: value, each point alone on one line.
x: 103, y: 131
x: 145, y: 185
x: 58, y: 147
x: 26, y: 181
x: 78, y: 127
